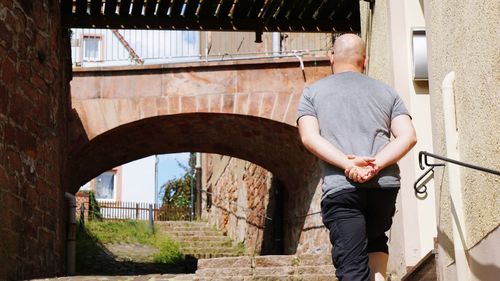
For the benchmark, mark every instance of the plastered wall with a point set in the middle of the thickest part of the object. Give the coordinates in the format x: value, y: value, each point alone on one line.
x: 463, y: 37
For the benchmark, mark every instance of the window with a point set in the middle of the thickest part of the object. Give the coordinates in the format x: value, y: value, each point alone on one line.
x: 92, y: 49
x: 105, y: 186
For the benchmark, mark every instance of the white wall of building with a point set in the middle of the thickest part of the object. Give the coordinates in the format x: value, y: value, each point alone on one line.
x: 138, y: 180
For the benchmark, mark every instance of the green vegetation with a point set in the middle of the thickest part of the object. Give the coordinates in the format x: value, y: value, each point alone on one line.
x: 134, y: 232
x: 177, y: 192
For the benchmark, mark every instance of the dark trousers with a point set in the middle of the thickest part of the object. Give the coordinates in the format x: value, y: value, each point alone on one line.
x: 357, y: 220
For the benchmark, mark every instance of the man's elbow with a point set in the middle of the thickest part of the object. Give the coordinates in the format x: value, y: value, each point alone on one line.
x: 306, y: 141
x: 412, y: 140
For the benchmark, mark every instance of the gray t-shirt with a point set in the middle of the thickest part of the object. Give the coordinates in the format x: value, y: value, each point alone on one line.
x: 354, y: 113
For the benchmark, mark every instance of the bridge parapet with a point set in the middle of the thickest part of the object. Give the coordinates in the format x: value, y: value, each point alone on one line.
x: 106, y: 98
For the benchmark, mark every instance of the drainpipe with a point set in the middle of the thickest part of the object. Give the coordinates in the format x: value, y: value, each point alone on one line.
x: 198, y: 185
x: 71, y: 236
x: 276, y: 43
x: 301, y: 65
x: 458, y: 221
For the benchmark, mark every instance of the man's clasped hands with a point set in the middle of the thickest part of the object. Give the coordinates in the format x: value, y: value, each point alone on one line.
x: 362, y: 168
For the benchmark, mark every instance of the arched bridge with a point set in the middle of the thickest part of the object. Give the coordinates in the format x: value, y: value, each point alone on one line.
x: 244, y: 109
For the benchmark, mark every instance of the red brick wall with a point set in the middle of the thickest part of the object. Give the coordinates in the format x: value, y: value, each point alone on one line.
x: 33, y: 103
x: 82, y: 198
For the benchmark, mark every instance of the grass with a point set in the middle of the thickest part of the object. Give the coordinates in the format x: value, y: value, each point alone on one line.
x: 133, y: 232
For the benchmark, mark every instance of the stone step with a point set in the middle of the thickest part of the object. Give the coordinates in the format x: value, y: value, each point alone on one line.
x: 213, y: 255
x: 243, y: 261
x: 204, y: 239
x: 268, y: 261
x: 263, y: 268
x: 192, y: 233
x: 206, y: 244
x: 186, y: 227
x: 227, y: 272
x: 312, y: 277
x: 210, y: 250
x: 181, y: 224
x: 268, y: 271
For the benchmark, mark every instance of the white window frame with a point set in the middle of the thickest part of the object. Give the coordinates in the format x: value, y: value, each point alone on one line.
x: 100, y: 47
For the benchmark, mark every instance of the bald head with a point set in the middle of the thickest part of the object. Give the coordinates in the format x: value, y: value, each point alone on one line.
x: 349, y: 49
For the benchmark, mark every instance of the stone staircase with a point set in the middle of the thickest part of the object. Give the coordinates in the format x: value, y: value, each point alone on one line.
x: 267, y: 268
x: 198, y: 240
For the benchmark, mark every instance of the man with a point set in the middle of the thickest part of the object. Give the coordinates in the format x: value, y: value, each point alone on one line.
x: 346, y: 120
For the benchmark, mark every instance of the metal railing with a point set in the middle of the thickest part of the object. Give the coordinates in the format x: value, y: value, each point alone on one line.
x: 119, y: 47
x: 423, y: 161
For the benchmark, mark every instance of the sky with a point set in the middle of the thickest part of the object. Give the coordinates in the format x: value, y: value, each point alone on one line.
x: 168, y: 167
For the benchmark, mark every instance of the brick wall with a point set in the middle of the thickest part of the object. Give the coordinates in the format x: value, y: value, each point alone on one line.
x: 33, y: 103
x: 239, y: 198
x: 82, y: 198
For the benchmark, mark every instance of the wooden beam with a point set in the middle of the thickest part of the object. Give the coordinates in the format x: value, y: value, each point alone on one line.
x: 176, y: 8
x: 163, y: 6
x: 213, y: 24
x: 325, y: 9
x: 242, y: 8
x: 207, y: 9
x: 95, y: 7
x: 270, y: 9
x: 190, y: 10
x: 125, y: 8
x: 224, y: 8
x: 256, y: 7
x: 66, y: 7
x: 137, y: 7
x: 311, y: 8
x: 276, y: 15
x: 110, y: 8
x: 283, y: 8
x: 81, y: 7
x: 151, y: 7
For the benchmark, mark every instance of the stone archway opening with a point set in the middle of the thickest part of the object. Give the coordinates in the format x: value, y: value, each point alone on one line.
x: 273, y: 146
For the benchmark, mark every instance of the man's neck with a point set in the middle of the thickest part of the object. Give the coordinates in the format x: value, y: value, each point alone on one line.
x: 346, y: 68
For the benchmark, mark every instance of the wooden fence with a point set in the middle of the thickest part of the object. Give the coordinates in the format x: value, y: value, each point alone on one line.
x: 119, y: 210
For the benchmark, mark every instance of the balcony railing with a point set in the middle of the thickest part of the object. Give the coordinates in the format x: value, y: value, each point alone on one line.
x: 111, y: 47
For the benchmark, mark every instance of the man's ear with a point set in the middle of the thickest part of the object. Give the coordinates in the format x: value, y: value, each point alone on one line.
x: 365, y: 62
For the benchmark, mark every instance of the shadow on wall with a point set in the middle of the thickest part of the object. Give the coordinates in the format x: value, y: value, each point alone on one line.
x: 78, y: 138
x: 273, y: 242
x: 482, y: 271
x: 299, y: 220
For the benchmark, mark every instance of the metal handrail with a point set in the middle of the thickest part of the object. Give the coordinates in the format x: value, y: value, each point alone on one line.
x: 423, y: 160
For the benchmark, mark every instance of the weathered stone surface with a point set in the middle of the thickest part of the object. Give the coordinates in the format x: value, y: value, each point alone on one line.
x: 270, y: 268
x: 219, y: 272
x: 274, y: 261
x: 239, y: 262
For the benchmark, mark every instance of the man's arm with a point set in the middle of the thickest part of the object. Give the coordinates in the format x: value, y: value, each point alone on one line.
x: 404, y: 139
x: 323, y: 149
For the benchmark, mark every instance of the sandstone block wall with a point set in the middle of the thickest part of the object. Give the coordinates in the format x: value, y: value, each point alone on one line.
x: 33, y: 102
x: 239, y: 197
x: 252, y: 206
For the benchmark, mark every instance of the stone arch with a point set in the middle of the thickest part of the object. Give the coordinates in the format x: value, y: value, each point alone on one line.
x: 272, y: 145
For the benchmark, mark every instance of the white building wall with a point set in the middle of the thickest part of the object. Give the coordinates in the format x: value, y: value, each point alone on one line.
x: 138, y: 180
